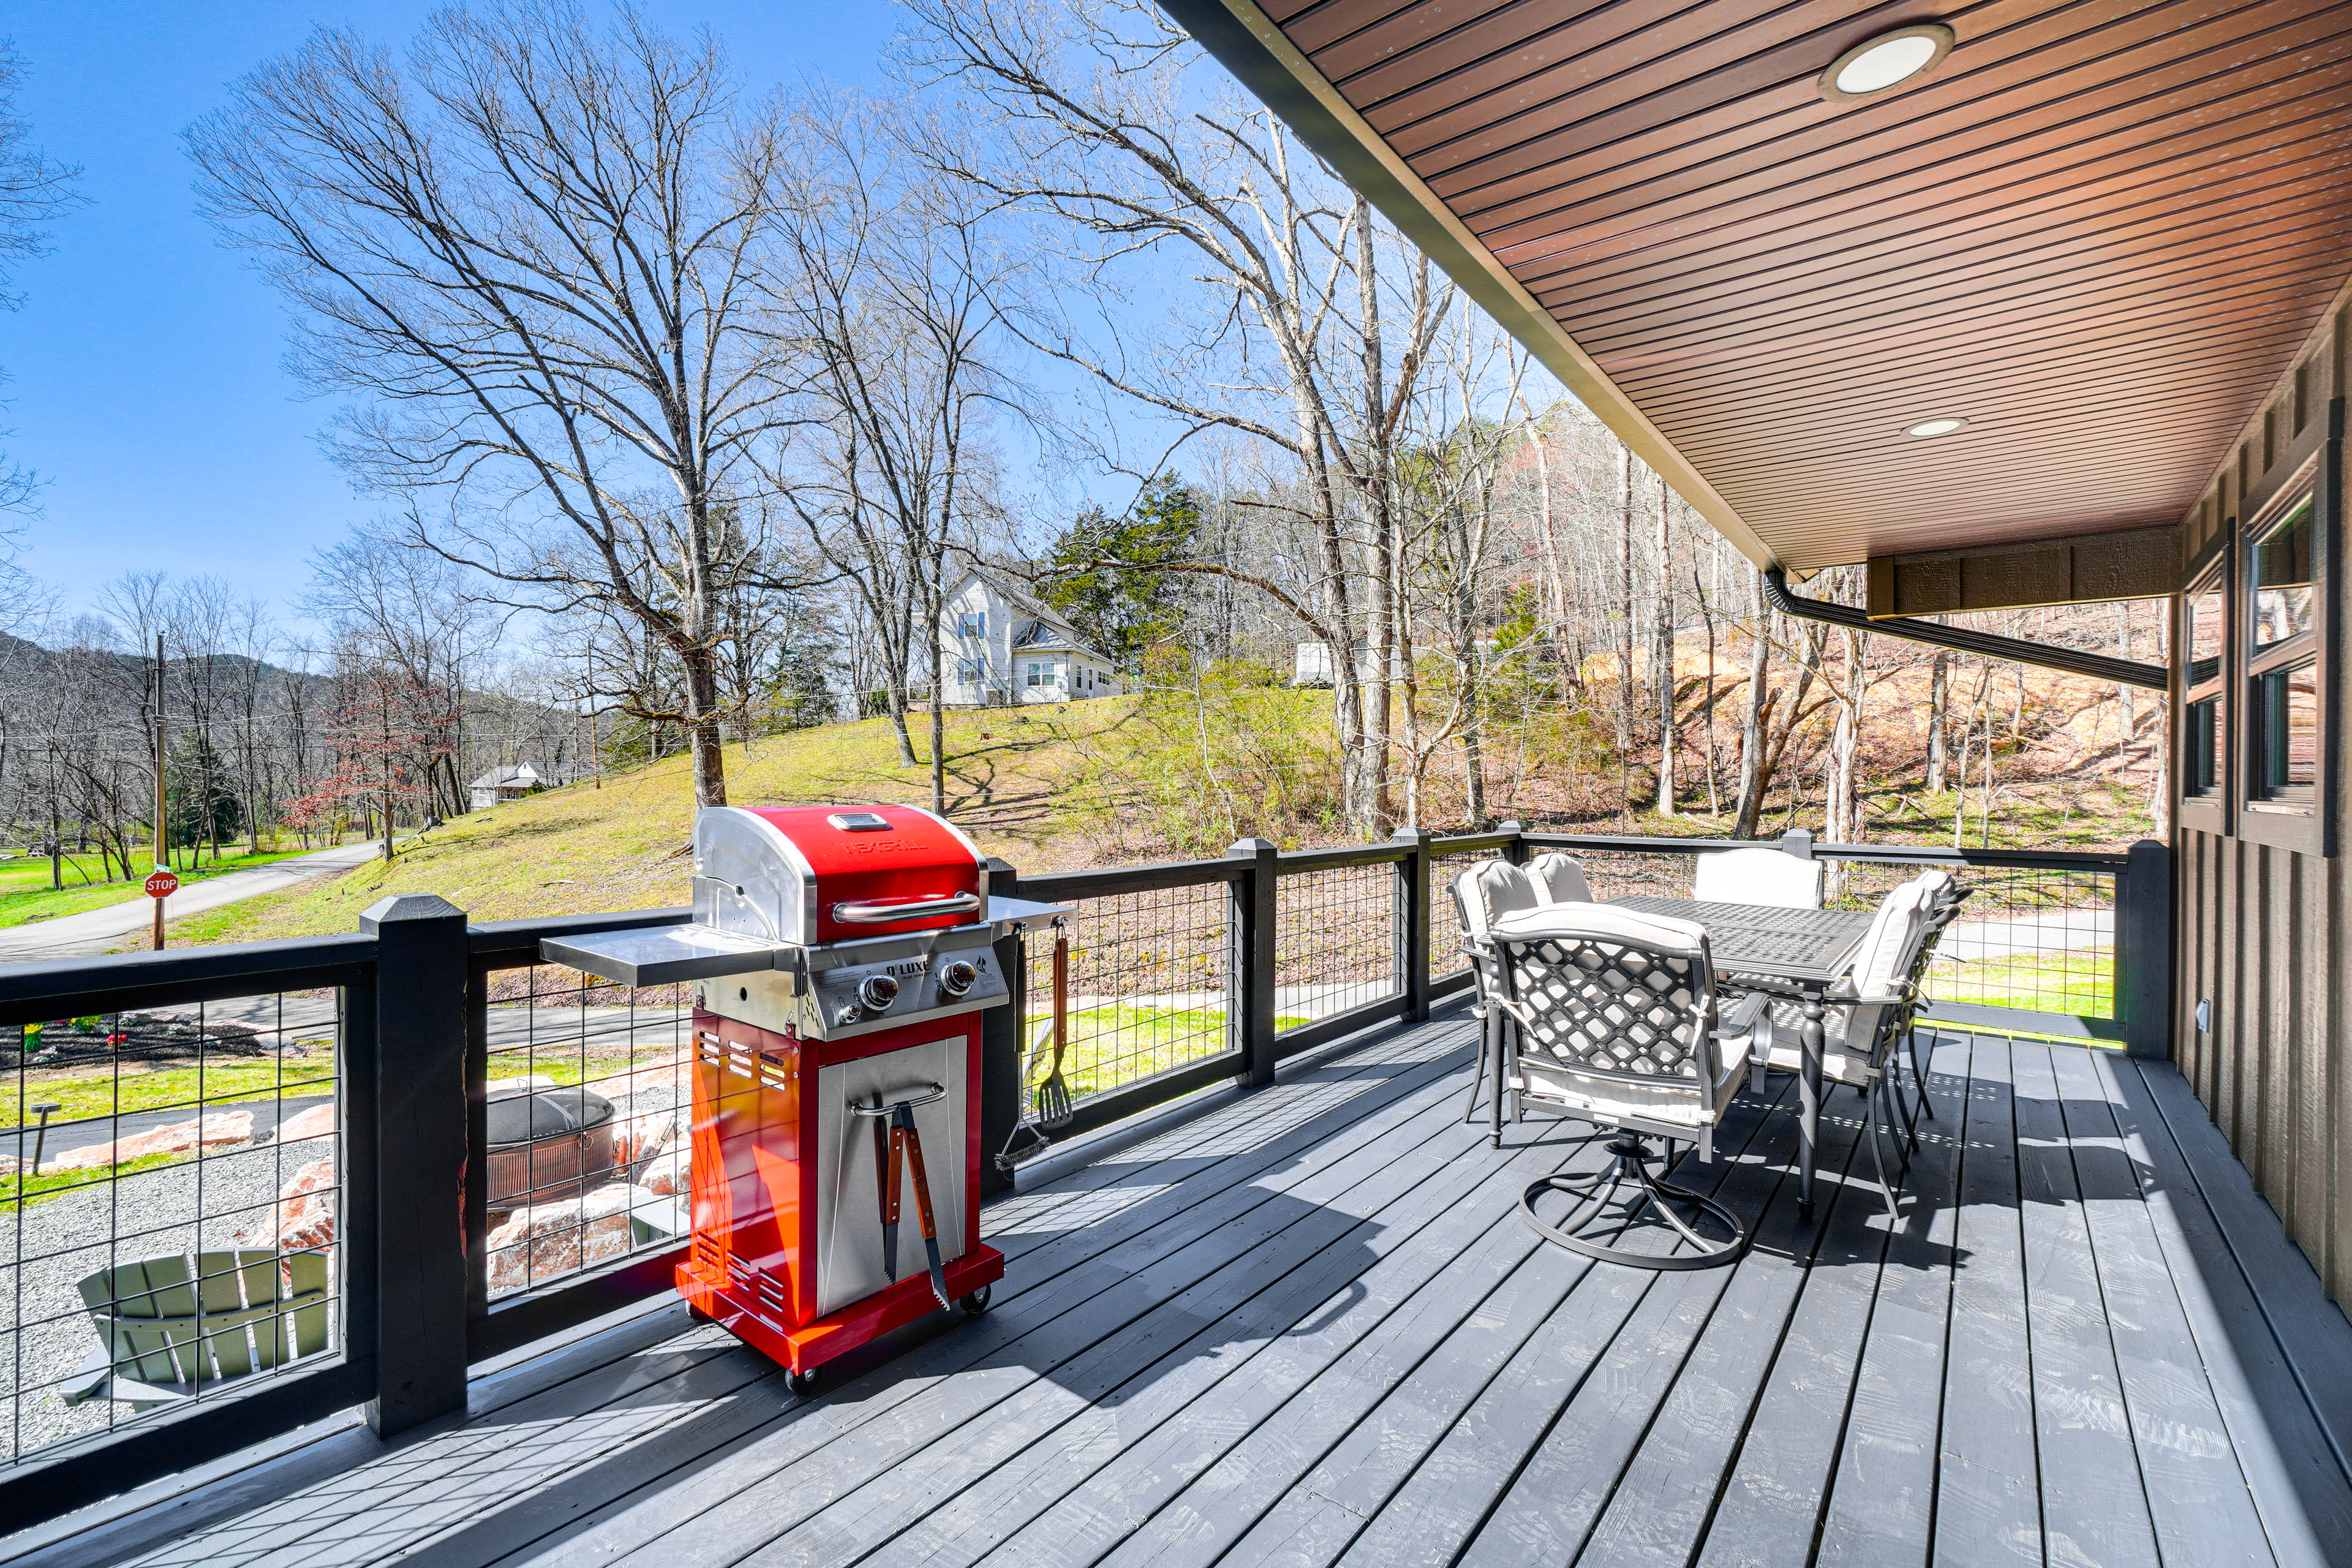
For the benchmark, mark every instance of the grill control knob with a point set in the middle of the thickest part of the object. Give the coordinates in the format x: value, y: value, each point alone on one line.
x: 878, y: 992
x: 958, y: 978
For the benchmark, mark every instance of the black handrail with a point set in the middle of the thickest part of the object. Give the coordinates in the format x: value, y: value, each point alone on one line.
x: 415, y: 1305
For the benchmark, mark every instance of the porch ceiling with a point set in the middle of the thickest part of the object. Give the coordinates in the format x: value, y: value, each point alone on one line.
x: 2098, y: 231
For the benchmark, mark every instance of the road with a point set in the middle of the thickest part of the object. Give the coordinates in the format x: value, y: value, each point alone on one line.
x: 96, y: 930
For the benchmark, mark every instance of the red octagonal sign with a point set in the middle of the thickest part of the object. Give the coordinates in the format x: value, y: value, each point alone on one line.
x: 161, y: 884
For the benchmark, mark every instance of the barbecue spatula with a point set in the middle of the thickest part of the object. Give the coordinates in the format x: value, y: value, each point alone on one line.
x: 904, y: 1131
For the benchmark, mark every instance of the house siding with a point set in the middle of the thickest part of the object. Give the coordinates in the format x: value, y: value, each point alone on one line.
x: 2261, y: 913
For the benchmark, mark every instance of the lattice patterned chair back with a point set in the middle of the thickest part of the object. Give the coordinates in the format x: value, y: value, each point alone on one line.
x: 1617, y: 1019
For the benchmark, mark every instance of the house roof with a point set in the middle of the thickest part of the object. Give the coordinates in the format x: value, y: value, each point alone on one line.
x: 514, y: 775
x: 1046, y: 628
x: 2100, y: 234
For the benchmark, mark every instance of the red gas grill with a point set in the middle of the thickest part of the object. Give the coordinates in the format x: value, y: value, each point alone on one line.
x: 842, y: 958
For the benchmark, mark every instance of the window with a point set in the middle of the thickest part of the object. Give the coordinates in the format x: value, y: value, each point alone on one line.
x: 970, y: 669
x: 972, y: 624
x: 1037, y: 675
x: 2283, y: 580
x: 2199, y: 749
x: 2281, y: 645
x: 2205, y: 639
x: 2286, y: 716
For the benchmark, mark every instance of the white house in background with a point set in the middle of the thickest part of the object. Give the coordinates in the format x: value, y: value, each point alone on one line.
x: 999, y: 645
x: 503, y: 783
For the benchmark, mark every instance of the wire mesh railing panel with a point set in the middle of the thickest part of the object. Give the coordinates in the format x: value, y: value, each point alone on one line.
x: 1444, y: 924
x: 1618, y: 873
x: 590, y: 1091
x: 175, y: 1189
x: 1146, y: 990
x: 1335, y: 941
x: 2038, y: 940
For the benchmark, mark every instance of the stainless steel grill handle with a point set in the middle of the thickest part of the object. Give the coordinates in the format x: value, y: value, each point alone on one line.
x: 880, y: 911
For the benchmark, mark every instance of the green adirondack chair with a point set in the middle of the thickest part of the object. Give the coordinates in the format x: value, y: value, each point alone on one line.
x: 168, y: 1325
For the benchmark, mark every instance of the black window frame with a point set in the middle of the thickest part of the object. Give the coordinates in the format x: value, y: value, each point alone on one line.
x: 2272, y: 812
x: 2207, y: 808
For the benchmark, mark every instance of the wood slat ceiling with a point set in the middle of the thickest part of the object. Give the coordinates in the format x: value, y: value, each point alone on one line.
x: 2097, y: 231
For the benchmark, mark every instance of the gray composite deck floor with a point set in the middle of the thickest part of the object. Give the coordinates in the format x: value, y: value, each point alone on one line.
x: 1304, y: 1327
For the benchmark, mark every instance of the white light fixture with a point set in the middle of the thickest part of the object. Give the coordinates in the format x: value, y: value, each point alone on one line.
x: 1887, y: 62
x: 1935, y: 426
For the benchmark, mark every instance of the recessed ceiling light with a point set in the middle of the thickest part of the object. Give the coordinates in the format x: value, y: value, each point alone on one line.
x: 1887, y: 62
x: 1937, y: 427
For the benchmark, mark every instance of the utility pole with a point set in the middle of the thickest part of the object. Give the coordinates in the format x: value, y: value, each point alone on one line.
x: 57, y: 870
x: 163, y: 821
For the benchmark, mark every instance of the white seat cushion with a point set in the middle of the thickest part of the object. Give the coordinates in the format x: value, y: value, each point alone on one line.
x: 1490, y: 891
x: 1679, y: 1102
x: 1601, y: 922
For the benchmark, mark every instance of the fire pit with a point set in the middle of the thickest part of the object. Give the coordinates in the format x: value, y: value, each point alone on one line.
x: 546, y: 1145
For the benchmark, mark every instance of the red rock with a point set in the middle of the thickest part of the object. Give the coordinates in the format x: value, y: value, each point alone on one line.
x: 306, y: 1207
x: 219, y: 1130
x: 318, y: 1122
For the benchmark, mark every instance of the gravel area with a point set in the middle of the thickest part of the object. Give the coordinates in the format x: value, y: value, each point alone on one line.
x: 225, y: 1200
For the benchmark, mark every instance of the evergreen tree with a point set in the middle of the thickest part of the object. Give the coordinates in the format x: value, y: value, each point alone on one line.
x: 1122, y: 612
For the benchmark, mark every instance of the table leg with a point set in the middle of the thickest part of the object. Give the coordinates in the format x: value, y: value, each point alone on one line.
x: 1808, y: 1103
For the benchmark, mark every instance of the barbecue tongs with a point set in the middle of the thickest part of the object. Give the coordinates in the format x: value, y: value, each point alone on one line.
x: 898, y: 1146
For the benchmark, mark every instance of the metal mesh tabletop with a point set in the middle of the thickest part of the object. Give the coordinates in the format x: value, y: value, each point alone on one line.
x: 1795, y: 944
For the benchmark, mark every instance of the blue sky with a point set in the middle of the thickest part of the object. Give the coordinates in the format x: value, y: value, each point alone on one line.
x: 146, y: 370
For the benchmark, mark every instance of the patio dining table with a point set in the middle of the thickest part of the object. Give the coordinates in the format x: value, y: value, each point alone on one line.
x: 1807, y: 949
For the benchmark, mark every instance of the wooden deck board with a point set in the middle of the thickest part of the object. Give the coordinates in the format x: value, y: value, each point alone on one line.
x: 1306, y: 1327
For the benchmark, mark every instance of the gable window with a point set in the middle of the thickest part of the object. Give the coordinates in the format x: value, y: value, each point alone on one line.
x: 972, y: 624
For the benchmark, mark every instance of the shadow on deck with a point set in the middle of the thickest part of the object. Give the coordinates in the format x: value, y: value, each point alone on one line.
x: 1305, y: 1326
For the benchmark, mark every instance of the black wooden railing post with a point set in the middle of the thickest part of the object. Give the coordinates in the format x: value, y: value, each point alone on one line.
x: 1412, y: 960
x: 1000, y: 1044
x: 2144, y: 950
x: 1516, y: 851
x: 1250, y: 965
x: 419, y: 1197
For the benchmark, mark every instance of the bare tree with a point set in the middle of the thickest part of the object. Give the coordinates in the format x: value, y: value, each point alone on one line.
x: 892, y: 304
x: 1306, y: 325
x: 34, y: 189
x: 540, y: 250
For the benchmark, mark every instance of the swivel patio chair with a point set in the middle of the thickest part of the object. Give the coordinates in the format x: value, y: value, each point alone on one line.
x: 1559, y: 879
x: 169, y: 1325
x: 1615, y: 1023
x: 1759, y: 876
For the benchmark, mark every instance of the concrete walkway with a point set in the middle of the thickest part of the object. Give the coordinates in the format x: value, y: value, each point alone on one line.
x: 97, y: 930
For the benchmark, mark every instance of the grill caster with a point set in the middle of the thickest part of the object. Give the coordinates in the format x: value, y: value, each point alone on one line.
x: 976, y: 1303
x: 802, y: 1383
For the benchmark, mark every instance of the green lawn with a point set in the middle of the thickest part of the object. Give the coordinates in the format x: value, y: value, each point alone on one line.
x: 1114, y: 1046
x: 20, y: 1191
x: 24, y: 894
x: 107, y: 1091
x: 2080, y: 981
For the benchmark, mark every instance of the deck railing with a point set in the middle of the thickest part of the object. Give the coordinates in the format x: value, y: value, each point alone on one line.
x: 296, y: 1123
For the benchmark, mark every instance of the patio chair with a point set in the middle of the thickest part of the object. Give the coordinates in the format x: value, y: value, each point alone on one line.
x: 1862, y: 1020
x: 1615, y: 1023
x: 168, y: 1325
x: 1941, y: 896
x: 1490, y: 890
x: 1759, y: 876
x: 1559, y: 879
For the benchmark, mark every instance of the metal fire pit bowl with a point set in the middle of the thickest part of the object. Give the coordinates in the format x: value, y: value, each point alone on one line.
x: 547, y: 1146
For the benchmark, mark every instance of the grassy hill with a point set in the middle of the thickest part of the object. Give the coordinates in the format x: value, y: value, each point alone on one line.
x: 582, y: 848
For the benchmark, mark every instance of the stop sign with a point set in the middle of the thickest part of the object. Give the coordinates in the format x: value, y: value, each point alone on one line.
x: 161, y: 884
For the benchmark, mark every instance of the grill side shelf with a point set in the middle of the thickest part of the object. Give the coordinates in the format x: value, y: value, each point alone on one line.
x: 656, y: 955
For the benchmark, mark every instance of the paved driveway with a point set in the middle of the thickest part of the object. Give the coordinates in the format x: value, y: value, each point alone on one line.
x: 96, y: 930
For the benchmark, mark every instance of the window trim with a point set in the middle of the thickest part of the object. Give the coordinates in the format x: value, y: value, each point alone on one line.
x: 2210, y: 812
x: 2302, y: 825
